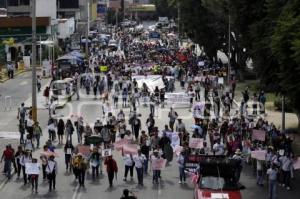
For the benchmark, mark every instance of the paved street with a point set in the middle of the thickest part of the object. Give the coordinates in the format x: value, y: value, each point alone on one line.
x: 68, y: 188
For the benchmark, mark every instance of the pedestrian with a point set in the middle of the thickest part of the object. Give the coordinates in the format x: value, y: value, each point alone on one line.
x: 44, y: 160
x: 95, y: 162
x: 152, y: 104
x: 10, y: 70
x: 150, y: 122
x: 237, y: 156
x: 272, y: 173
x: 51, y: 129
x: 139, y: 160
x: 8, y: 156
x: 259, y: 171
x: 22, y: 113
x: 111, y: 168
x: 81, y: 167
x: 129, y: 165
x: 124, y: 98
x: 69, y: 150
x: 172, y: 118
x: 26, y: 158
x: 18, y: 156
x: 181, y: 166
x: 69, y: 130
x: 22, y: 131
x: 79, y: 128
x: 197, y: 90
x: 286, y: 167
x: 191, y: 95
x: 51, y: 170
x: 38, y: 83
x: 34, y: 178
x: 60, y: 131
x: 156, y: 173
x: 47, y: 94
x: 37, y: 133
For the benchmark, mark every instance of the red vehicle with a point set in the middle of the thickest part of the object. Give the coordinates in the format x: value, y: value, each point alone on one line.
x: 217, y: 179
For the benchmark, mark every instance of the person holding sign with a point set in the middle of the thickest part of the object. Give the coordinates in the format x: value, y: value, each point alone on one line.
x: 51, y: 170
x: 34, y: 175
x: 95, y: 162
x: 129, y: 165
x: 69, y: 149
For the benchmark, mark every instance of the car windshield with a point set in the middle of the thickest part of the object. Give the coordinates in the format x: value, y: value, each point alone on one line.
x: 216, y: 183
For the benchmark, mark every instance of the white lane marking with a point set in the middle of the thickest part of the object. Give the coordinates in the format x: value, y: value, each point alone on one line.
x: 25, y: 82
x: 75, y: 192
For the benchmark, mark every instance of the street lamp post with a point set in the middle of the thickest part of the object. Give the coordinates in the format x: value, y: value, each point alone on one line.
x: 34, y: 100
x: 229, y: 50
x: 87, y: 28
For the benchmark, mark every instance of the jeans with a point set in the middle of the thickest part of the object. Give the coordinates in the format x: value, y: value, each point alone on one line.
x: 68, y: 161
x: 110, y: 178
x: 152, y: 109
x: 7, y: 168
x: 19, y: 169
x: 197, y: 92
x: 259, y: 178
x: 128, y: 168
x: 44, y: 171
x: 52, y: 180
x: 272, y: 189
x: 95, y: 171
x: 286, y: 178
x: 81, y: 176
x: 156, y: 174
x: 37, y: 137
x: 34, y: 182
x: 181, y: 174
x: 139, y: 172
x: 24, y: 175
x: 145, y: 166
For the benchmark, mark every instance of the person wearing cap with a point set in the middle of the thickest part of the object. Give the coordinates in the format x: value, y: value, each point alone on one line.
x: 126, y: 195
x: 51, y: 170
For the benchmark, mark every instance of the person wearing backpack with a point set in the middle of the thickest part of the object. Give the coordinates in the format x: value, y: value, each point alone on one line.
x: 51, y: 170
x: 37, y: 133
x: 111, y: 168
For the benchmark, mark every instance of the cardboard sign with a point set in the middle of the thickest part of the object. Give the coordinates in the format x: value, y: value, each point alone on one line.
x: 259, y: 155
x: 120, y: 143
x: 130, y: 149
x: 32, y: 168
x: 175, y: 140
x: 196, y: 143
x: 297, y: 163
x: 178, y: 98
x: 84, y: 150
x: 159, y: 164
x: 106, y: 152
x: 259, y: 135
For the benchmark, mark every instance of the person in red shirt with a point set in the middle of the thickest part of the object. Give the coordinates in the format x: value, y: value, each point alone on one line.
x: 8, y: 156
x: 111, y: 168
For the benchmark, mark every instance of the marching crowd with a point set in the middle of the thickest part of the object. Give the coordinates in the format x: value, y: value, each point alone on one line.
x: 222, y: 131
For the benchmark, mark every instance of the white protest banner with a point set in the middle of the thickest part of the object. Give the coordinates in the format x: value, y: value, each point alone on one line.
x: 259, y: 155
x: 130, y: 149
x: 150, y: 80
x: 178, y: 98
x: 297, y: 163
x: 196, y: 143
x: 32, y: 168
x: 106, y: 152
x: 220, y: 80
x: 259, y: 135
x: 120, y: 143
x: 159, y: 164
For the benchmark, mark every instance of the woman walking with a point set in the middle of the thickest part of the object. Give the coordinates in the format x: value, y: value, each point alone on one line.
x: 60, y: 131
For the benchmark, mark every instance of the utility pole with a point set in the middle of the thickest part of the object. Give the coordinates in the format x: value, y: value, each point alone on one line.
x: 34, y: 100
x: 179, y: 16
x: 283, y: 113
x: 87, y: 28
x: 229, y: 50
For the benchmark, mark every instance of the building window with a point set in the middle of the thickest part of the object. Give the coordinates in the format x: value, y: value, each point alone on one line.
x: 25, y: 2
x: 68, y: 4
x: 12, y: 2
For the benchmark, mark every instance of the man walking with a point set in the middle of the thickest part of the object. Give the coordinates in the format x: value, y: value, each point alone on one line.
x: 272, y: 173
x: 139, y: 160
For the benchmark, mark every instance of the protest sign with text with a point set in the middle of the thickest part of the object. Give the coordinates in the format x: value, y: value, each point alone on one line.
x: 159, y: 164
x: 196, y: 143
x: 259, y: 135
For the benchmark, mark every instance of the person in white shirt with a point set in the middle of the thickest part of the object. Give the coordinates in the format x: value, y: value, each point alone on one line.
x: 26, y: 158
x: 139, y: 160
x: 286, y: 167
x: 181, y: 165
x: 51, y: 171
x: 259, y: 170
x: 128, y: 161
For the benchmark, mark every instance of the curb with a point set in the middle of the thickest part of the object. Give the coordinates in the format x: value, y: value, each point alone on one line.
x: 5, y: 78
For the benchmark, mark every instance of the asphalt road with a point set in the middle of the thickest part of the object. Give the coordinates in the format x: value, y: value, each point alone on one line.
x: 68, y: 188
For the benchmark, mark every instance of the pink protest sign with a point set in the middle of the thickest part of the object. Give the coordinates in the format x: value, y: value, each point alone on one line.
x: 297, y: 163
x: 259, y: 155
x: 84, y: 150
x: 130, y: 149
x: 196, y: 143
x: 177, y: 150
x: 258, y: 135
x: 159, y: 164
x: 120, y: 143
